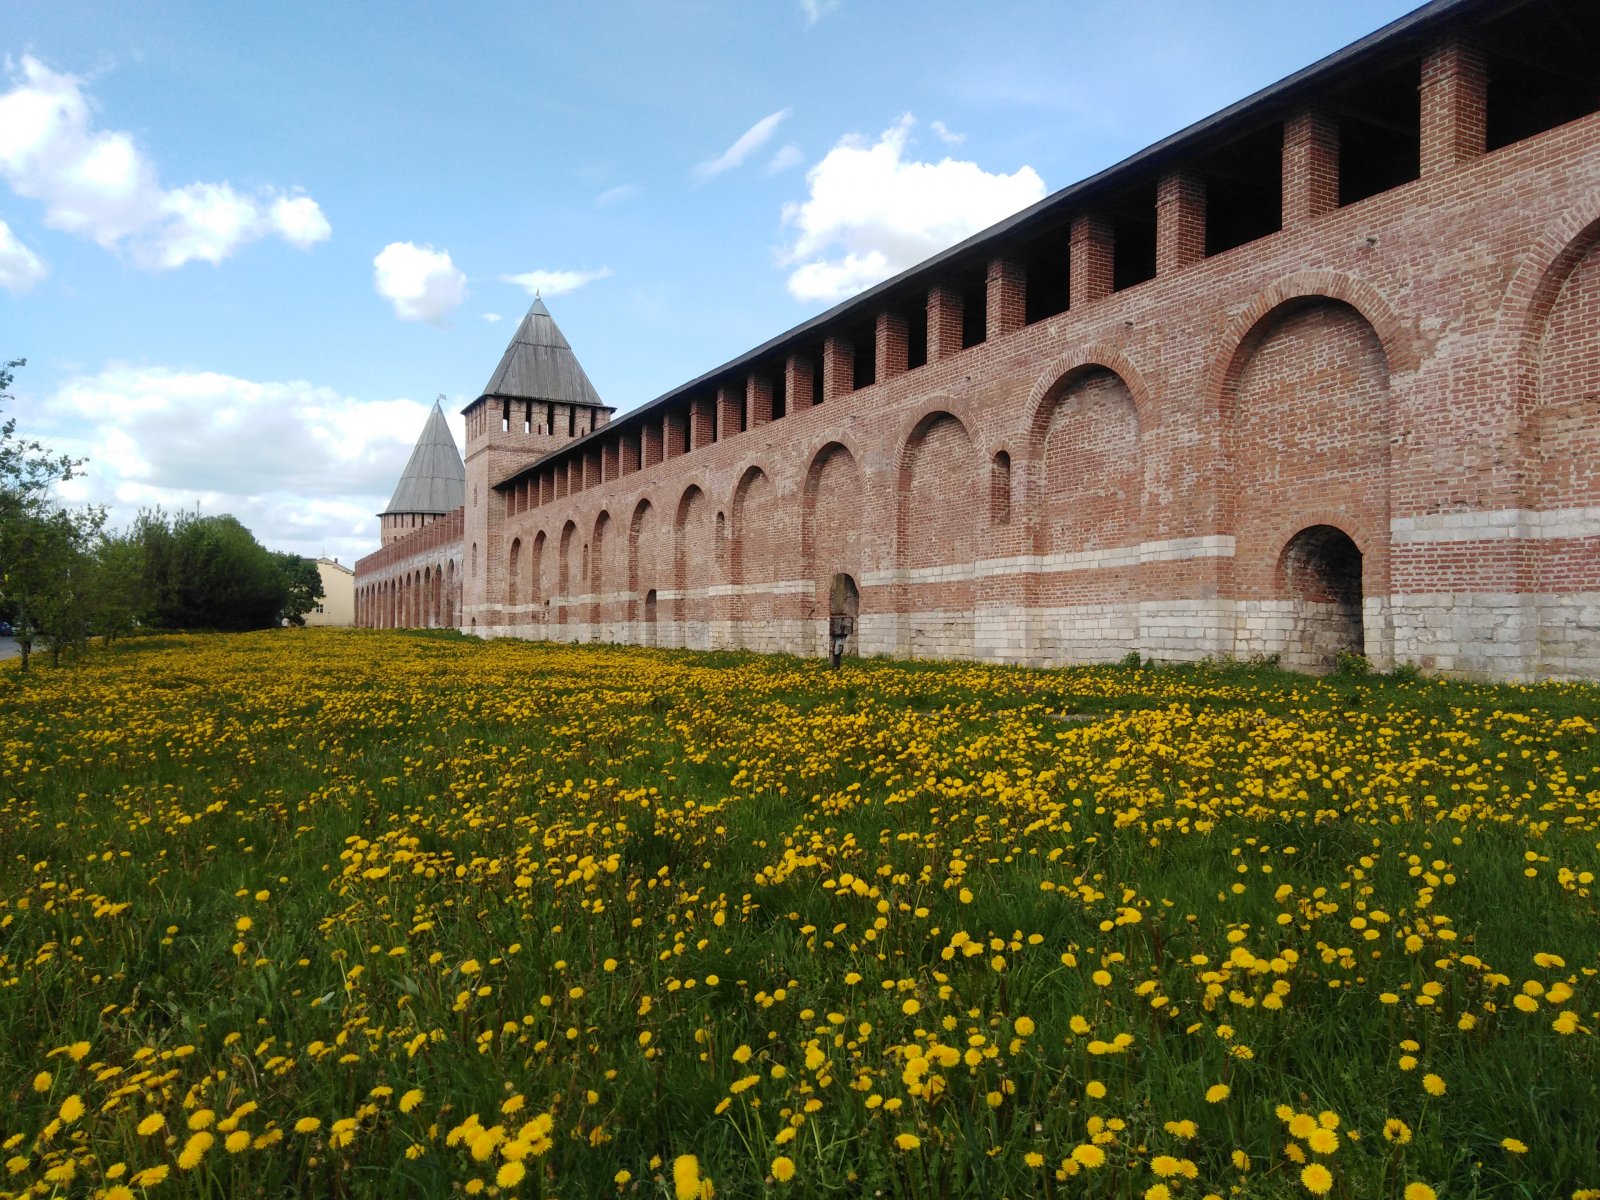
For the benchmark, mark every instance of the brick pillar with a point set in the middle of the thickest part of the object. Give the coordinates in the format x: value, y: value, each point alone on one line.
x: 1310, y: 166
x: 591, y: 468
x: 799, y: 373
x: 610, y: 455
x: 838, y: 367
x: 547, y: 488
x: 758, y: 399
x: 944, y: 322
x: 893, y: 345
x: 650, y: 444
x: 675, y: 433
x: 730, y: 410
x: 702, y: 422
x: 1006, y: 300
x: 1180, y: 221
x: 1454, y: 83
x: 1091, y: 259
x: 628, y: 451
x: 574, y: 470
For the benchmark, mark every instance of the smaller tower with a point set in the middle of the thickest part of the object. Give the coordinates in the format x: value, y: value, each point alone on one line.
x: 433, y: 484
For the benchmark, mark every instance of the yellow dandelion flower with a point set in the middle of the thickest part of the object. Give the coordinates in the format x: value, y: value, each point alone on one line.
x: 1088, y: 1155
x: 1095, y: 1090
x: 1420, y: 1191
x: 686, y: 1177
x: 1433, y: 1084
x: 150, y: 1176
x: 1034, y: 1159
x: 43, y: 1081
x: 1514, y: 1145
x: 1323, y: 1141
x: 237, y: 1142
x: 120, y: 1192
x: 1217, y: 1093
x: 410, y: 1100
x: 1301, y: 1125
x: 308, y: 1124
x: 783, y: 1168
x: 510, y: 1174
x: 1318, y: 1179
x: 1164, y: 1165
x: 1158, y: 1191
x: 907, y: 1141
x: 194, y: 1150
x: 71, y: 1109
x: 151, y: 1124
x: 1024, y: 1026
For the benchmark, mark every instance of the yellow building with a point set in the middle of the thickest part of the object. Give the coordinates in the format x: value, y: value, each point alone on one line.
x: 338, y: 603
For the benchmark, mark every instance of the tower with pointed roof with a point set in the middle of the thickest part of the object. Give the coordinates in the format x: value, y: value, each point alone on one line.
x: 433, y: 484
x: 537, y: 400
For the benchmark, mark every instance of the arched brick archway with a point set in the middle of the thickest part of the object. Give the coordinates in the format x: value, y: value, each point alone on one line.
x: 940, y: 494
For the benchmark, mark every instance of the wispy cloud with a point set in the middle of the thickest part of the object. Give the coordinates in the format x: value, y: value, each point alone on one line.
x: 751, y: 140
x: 20, y: 268
x: 945, y: 134
x: 616, y: 195
x: 790, y: 156
x: 553, y: 282
x: 815, y: 10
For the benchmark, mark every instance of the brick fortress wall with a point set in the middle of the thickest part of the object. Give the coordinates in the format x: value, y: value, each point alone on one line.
x: 1372, y: 427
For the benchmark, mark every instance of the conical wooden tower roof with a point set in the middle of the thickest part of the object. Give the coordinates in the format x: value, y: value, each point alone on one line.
x: 540, y: 365
x: 435, y: 480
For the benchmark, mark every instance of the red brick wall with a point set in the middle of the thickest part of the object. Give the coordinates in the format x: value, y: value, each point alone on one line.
x: 1405, y: 368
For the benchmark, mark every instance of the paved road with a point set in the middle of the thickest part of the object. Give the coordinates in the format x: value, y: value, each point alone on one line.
x: 8, y: 648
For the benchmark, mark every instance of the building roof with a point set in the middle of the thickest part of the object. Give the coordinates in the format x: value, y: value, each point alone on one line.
x: 435, y: 480
x: 540, y: 365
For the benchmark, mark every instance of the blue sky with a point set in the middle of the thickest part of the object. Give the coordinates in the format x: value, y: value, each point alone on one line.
x: 242, y: 248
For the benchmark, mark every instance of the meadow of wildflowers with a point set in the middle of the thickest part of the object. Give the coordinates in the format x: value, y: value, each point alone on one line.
x: 347, y: 913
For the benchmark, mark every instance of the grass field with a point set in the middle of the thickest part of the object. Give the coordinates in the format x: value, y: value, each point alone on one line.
x: 347, y: 913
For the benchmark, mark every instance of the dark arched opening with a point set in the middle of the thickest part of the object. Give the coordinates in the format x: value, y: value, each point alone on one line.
x: 1321, y: 572
x: 844, y: 612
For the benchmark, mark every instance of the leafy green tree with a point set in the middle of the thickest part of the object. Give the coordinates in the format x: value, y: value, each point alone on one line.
x: 116, y: 585
x: 45, y: 549
x: 302, y: 583
x: 209, y: 572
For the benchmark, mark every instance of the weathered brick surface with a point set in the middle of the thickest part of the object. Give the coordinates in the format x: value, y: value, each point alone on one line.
x: 1417, y: 372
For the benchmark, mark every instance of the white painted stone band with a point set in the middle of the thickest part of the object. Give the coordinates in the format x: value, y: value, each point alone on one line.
x: 1497, y: 524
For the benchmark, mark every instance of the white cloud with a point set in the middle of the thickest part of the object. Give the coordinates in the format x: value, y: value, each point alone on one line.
x: 491, y: 318
x: 304, y: 467
x: 873, y: 212
x: 300, y: 221
x: 815, y: 10
x: 947, y: 135
x: 748, y: 143
x: 421, y: 282
x: 20, y: 268
x: 100, y: 185
x: 616, y: 195
x: 790, y: 156
x: 555, y: 283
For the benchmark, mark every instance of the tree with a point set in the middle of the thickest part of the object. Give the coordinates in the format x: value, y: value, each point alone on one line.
x: 44, y: 548
x: 209, y: 572
x: 302, y: 584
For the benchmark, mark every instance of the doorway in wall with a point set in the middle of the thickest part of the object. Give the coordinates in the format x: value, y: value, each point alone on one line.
x: 1321, y: 569
x: 844, y: 613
